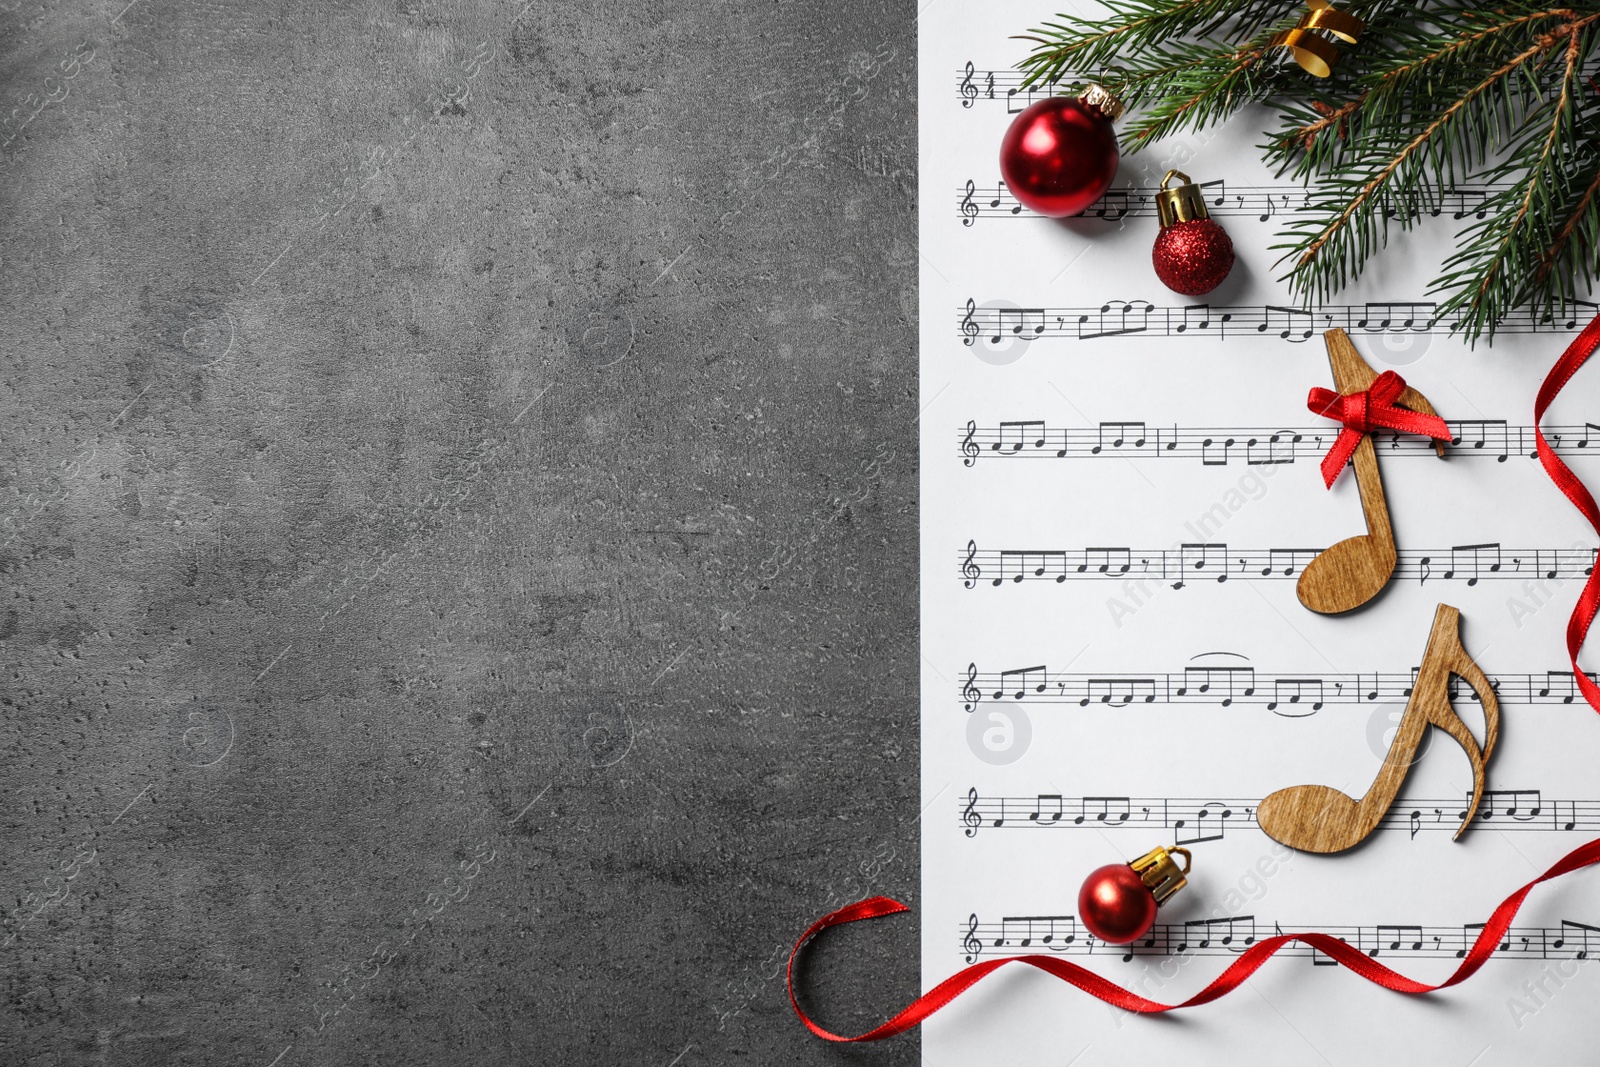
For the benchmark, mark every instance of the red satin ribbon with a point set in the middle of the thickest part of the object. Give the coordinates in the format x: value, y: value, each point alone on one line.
x: 1494, y: 931
x: 1363, y: 412
x: 1589, y: 600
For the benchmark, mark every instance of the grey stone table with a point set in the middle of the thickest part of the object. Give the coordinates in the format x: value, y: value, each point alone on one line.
x: 459, y: 529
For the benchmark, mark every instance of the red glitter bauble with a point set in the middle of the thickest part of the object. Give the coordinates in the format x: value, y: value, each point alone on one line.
x: 1193, y: 257
x: 1115, y: 904
x: 1059, y: 156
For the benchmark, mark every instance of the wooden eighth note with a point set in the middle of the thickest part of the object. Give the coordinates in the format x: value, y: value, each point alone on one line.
x: 1317, y: 818
x: 1348, y: 574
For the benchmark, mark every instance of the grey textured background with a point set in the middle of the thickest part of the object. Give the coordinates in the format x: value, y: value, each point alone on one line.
x: 459, y: 528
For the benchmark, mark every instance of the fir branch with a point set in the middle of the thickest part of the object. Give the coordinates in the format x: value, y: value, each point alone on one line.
x: 1436, y: 94
x: 1374, y: 186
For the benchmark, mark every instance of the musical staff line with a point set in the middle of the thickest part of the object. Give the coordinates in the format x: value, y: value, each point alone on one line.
x: 1233, y: 934
x: 975, y: 85
x: 1194, y: 820
x: 1254, y: 446
x: 1120, y: 318
x: 996, y: 201
x: 1205, y: 562
x: 1286, y: 693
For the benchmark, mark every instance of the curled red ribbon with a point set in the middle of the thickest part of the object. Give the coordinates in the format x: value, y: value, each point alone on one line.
x: 1589, y: 600
x: 1494, y: 931
x: 1366, y: 411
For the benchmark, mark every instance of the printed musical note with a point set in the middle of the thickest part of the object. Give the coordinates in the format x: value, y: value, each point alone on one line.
x: 1107, y: 561
x: 1575, y: 937
x: 1209, y: 823
x: 1394, y: 938
x: 1022, y: 323
x: 1296, y: 323
x: 1048, y: 810
x: 1387, y: 317
x: 1521, y: 804
x: 1014, y: 435
x: 1222, y: 684
x: 1021, y: 564
x: 1120, y: 433
x: 1473, y: 561
x: 1296, y: 696
x: 1055, y: 932
x: 1236, y: 932
x: 1201, y: 561
x: 1018, y: 682
x: 1214, y: 453
x: 1114, y: 319
x: 1114, y: 205
x: 1106, y: 811
x: 1120, y: 692
x: 1479, y: 434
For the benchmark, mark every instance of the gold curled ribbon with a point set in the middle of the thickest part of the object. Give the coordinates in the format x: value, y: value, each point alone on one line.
x: 1309, y: 41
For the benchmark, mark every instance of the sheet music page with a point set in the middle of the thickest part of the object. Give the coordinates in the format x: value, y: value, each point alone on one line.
x: 1120, y: 488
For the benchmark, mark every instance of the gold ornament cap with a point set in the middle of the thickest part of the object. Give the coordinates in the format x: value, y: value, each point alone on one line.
x: 1160, y: 872
x: 1104, y: 101
x: 1186, y: 203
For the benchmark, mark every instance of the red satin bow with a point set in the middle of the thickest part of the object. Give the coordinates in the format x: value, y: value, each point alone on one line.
x: 1363, y: 412
x: 1489, y: 939
x: 1583, y: 612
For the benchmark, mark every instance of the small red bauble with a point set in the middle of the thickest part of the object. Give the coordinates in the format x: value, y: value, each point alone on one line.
x: 1192, y: 254
x: 1115, y: 904
x: 1060, y: 155
x: 1118, y: 902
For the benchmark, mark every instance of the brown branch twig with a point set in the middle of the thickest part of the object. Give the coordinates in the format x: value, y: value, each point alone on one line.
x: 1461, y: 42
x: 1548, y: 259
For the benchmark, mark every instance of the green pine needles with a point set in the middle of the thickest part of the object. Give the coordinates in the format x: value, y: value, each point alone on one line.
x: 1435, y: 96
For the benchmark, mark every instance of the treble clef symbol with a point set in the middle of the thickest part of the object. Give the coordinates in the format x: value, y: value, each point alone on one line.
x: 970, y: 570
x: 969, y: 448
x: 970, y: 944
x: 969, y: 92
x: 969, y: 328
x: 969, y: 210
x: 971, y: 816
x: 970, y: 692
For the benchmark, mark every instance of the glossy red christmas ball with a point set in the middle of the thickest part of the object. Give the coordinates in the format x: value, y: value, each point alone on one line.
x: 1059, y: 156
x: 1115, y: 904
x: 1193, y: 257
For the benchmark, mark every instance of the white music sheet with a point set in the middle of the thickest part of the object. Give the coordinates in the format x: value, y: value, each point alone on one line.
x: 1085, y: 430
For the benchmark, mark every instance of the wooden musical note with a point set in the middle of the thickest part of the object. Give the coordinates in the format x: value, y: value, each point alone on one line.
x: 1317, y: 818
x: 1353, y: 571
